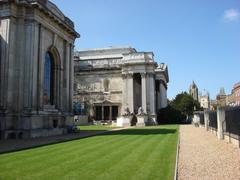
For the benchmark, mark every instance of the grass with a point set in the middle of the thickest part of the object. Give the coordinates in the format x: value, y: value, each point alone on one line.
x: 96, y: 127
x: 137, y: 153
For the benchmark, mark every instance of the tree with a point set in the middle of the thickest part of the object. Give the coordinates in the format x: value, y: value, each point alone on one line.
x: 185, y: 104
x: 178, y: 109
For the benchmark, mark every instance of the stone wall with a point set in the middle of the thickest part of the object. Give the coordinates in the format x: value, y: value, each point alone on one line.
x: 97, y: 87
x: 29, y: 30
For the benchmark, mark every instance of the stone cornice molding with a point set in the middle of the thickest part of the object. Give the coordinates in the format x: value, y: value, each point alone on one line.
x: 49, y: 9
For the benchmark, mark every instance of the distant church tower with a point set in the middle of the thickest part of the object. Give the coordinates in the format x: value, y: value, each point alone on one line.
x: 193, y: 91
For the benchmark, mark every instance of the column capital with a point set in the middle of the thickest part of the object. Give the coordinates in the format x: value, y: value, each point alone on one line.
x: 143, y: 74
x: 124, y: 76
x: 150, y: 74
x: 130, y: 75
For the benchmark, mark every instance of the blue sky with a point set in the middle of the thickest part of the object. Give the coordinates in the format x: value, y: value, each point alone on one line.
x: 198, y: 39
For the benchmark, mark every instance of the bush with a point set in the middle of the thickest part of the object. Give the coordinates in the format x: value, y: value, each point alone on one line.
x: 170, y: 115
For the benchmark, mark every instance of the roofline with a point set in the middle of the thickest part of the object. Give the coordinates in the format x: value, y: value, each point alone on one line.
x: 106, y: 48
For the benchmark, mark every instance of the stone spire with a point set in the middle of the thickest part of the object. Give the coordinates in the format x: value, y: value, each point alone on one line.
x: 193, y: 91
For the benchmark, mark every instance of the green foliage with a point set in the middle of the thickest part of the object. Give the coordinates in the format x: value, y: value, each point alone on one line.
x: 170, y: 115
x: 185, y: 104
x: 136, y: 153
x: 178, y: 109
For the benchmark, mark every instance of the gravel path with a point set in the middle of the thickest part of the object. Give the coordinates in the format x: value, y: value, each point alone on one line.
x: 203, y: 156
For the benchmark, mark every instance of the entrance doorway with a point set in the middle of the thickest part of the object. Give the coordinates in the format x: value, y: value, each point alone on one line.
x: 98, y: 113
x: 106, y: 113
x: 114, y: 112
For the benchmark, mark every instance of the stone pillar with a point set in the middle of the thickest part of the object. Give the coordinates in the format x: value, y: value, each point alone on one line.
x: 130, y: 93
x: 124, y: 92
x: 144, y: 92
x: 159, y: 98
x: 110, y: 112
x: 206, y: 119
x: 163, y: 95
x: 220, y: 120
x: 4, y: 48
x: 71, y: 78
x: 152, y: 94
x: 102, y: 112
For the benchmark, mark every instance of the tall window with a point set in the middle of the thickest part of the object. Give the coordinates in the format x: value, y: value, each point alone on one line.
x: 48, y: 79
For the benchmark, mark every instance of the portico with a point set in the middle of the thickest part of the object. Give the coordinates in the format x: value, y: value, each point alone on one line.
x: 108, y: 78
x: 139, y: 68
x: 106, y: 110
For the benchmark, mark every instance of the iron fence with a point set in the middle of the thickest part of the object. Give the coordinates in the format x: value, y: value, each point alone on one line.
x: 201, y: 115
x: 213, y: 120
x: 232, y: 122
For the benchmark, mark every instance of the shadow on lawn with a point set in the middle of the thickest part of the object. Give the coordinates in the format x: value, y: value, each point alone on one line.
x: 44, y: 141
x: 141, y: 132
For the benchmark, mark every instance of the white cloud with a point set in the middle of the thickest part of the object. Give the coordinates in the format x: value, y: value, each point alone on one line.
x: 231, y: 15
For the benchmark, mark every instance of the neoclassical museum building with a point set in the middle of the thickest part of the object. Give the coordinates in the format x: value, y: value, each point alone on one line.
x: 116, y: 82
x: 36, y: 69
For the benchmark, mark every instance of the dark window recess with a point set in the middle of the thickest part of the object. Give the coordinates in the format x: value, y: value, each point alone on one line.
x: 48, y: 79
x: 55, y: 123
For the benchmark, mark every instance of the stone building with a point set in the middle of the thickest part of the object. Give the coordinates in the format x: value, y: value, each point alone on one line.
x: 230, y: 99
x: 204, y: 101
x: 233, y: 99
x: 112, y: 80
x: 36, y: 69
x: 221, y: 98
x: 236, y: 94
x: 193, y: 91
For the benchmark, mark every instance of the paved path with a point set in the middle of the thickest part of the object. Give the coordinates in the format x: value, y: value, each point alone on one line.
x: 20, y: 144
x: 203, y: 156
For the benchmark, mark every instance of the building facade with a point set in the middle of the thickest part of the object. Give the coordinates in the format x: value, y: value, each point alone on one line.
x: 36, y: 69
x: 233, y: 99
x: 111, y: 81
x: 193, y: 91
x: 236, y: 93
x: 204, y: 101
x: 221, y: 98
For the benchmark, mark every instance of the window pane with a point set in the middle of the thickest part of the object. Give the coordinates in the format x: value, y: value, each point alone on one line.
x: 47, y: 79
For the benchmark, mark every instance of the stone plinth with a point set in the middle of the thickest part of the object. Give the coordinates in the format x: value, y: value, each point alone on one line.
x: 152, y: 120
x: 142, y: 120
x: 124, y: 121
x: 81, y: 120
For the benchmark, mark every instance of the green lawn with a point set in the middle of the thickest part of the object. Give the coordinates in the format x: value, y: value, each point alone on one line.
x: 96, y: 127
x: 137, y: 153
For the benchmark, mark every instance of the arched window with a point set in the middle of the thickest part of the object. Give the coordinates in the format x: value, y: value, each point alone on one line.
x: 48, y: 79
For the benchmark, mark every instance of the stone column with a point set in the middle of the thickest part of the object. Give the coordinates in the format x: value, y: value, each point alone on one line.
x: 124, y: 92
x: 130, y: 93
x: 71, y: 78
x: 152, y: 94
x: 110, y: 112
x: 4, y: 48
x: 206, y: 119
x: 28, y: 66
x: 144, y: 92
x: 220, y: 120
x: 102, y: 112
x: 159, y: 98
x: 163, y: 95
